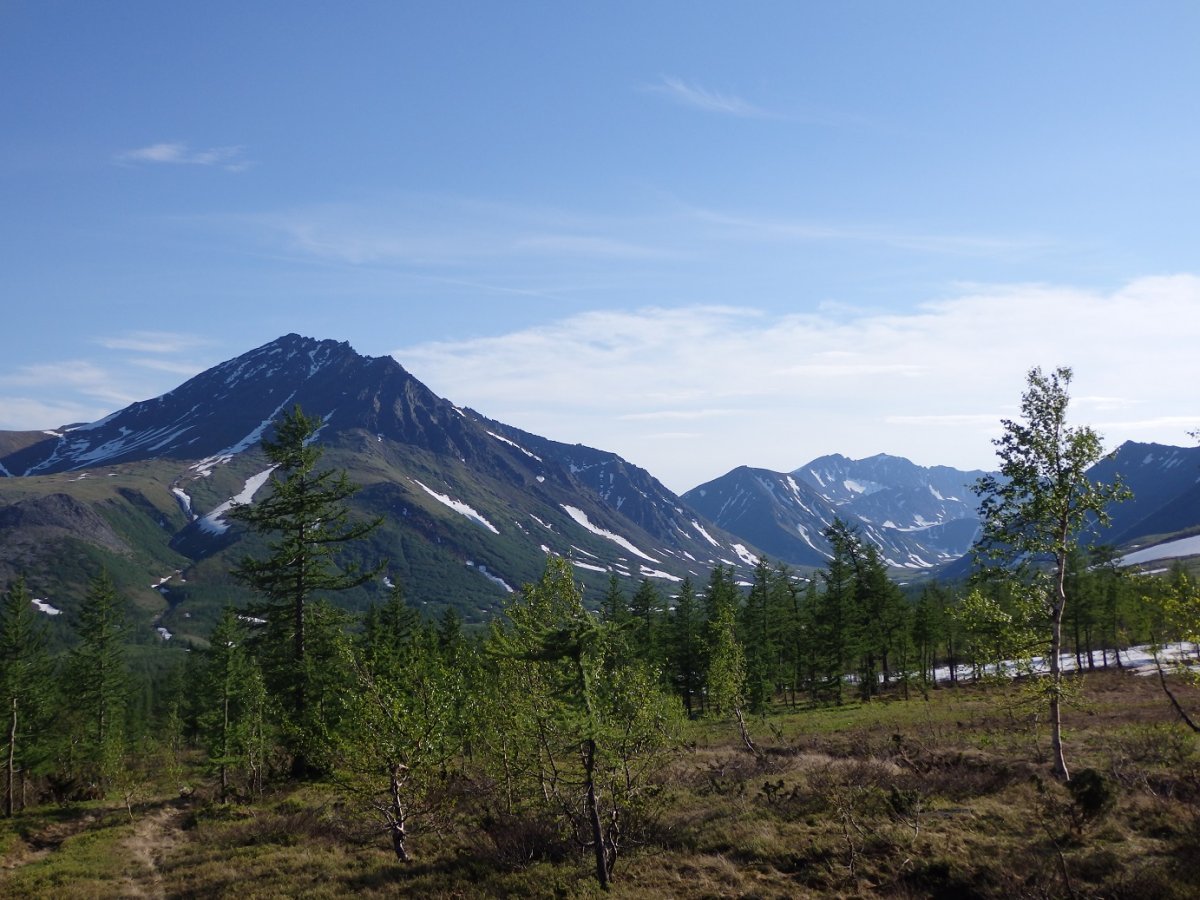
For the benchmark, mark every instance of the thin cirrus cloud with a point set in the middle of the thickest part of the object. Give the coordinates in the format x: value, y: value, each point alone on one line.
x: 230, y: 158
x: 931, y: 383
x: 693, y: 95
x: 152, y: 342
x: 86, y: 379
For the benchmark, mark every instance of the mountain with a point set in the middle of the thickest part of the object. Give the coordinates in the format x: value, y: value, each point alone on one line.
x: 1165, y: 481
x: 471, y: 506
x: 919, y: 517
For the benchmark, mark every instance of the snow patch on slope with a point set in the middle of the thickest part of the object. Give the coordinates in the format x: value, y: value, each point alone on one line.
x: 43, y: 606
x: 185, y: 503
x: 745, y: 555
x: 505, y: 440
x: 214, y: 523
x: 205, y: 466
x: 581, y: 518
x: 704, y: 534
x: 495, y: 579
x: 459, y: 507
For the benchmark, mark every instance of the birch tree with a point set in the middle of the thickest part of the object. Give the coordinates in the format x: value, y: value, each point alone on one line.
x: 1035, y: 508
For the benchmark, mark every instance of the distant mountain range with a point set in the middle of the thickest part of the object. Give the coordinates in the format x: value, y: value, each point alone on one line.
x: 471, y: 505
x: 919, y: 517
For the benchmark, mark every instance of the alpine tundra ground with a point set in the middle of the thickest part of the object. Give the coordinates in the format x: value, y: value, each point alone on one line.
x: 947, y: 795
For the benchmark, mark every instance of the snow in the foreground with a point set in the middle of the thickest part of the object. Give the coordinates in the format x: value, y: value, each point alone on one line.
x: 1189, y: 546
x: 43, y: 606
x: 214, y: 523
x: 1137, y: 660
x: 459, y: 507
x: 163, y: 633
x: 581, y: 518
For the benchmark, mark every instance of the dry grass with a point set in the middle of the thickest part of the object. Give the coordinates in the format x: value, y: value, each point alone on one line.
x: 949, y: 797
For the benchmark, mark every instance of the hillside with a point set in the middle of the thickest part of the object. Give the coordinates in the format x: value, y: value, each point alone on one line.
x: 471, y: 507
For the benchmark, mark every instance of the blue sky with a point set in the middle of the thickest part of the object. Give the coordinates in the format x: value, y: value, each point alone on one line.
x: 697, y: 234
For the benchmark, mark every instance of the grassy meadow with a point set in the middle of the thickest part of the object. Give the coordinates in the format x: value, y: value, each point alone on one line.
x: 944, y: 796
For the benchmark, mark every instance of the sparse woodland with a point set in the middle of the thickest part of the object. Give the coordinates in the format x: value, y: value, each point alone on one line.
x: 834, y: 735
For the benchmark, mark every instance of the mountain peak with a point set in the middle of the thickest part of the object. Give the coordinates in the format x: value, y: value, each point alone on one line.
x: 227, y: 409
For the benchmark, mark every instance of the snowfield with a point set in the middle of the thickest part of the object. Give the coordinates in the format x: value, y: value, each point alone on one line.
x: 1189, y: 546
x: 459, y: 507
x: 581, y: 518
x: 214, y: 523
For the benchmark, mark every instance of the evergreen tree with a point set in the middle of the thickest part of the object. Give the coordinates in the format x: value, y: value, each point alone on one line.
x: 306, y: 517
x: 24, y: 675
x: 835, y: 631
x: 449, y: 633
x: 645, y: 611
x: 758, y: 637
x: 928, y: 630
x: 98, y: 682
x: 785, y: 608
x: 686, y: 647
x: 725, y: 684
x: 232, y: 721
x: 389, y: 629
x: 614, y: 607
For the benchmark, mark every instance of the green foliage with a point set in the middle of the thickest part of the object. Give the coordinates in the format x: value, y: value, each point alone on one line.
x: 1035, y: 507
x: 726, y: 681
x: 998, y: 621
x: 97, y: 685
x: 233, y: 718
x: 306, y: 514
x: 573, y: 728
x: 24, y: 689
x: 686, y: 648
x: 400, y: 733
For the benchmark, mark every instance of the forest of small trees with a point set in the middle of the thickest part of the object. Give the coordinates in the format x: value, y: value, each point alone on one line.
x: 542, y: 728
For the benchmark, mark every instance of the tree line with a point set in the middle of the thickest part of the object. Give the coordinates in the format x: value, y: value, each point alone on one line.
x: 544, y: 728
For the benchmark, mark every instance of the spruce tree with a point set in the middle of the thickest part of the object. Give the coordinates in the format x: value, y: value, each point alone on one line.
x: 231, y: 720
x: 98, y: 682
x: 24, y: 676
x: 307, y: 521
x: 686, y: 647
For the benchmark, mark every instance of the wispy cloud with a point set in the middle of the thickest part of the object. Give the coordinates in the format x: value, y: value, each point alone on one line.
x: 734, y: 226
x: 697, y: 97
x: 153, y: 342
x: 444, y: 231
x: 230, y: 158
x: 20, y: 413
x: 80, y: 376
x: 83, y: 389
x: 776, y: 391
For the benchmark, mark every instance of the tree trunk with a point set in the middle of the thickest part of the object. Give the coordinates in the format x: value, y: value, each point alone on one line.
x: 397, y: 816
x: 593, y: 811
x: 9, y: 790
x: 1060, y: 607
x: 737, y: 712
x: 225, y: 749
